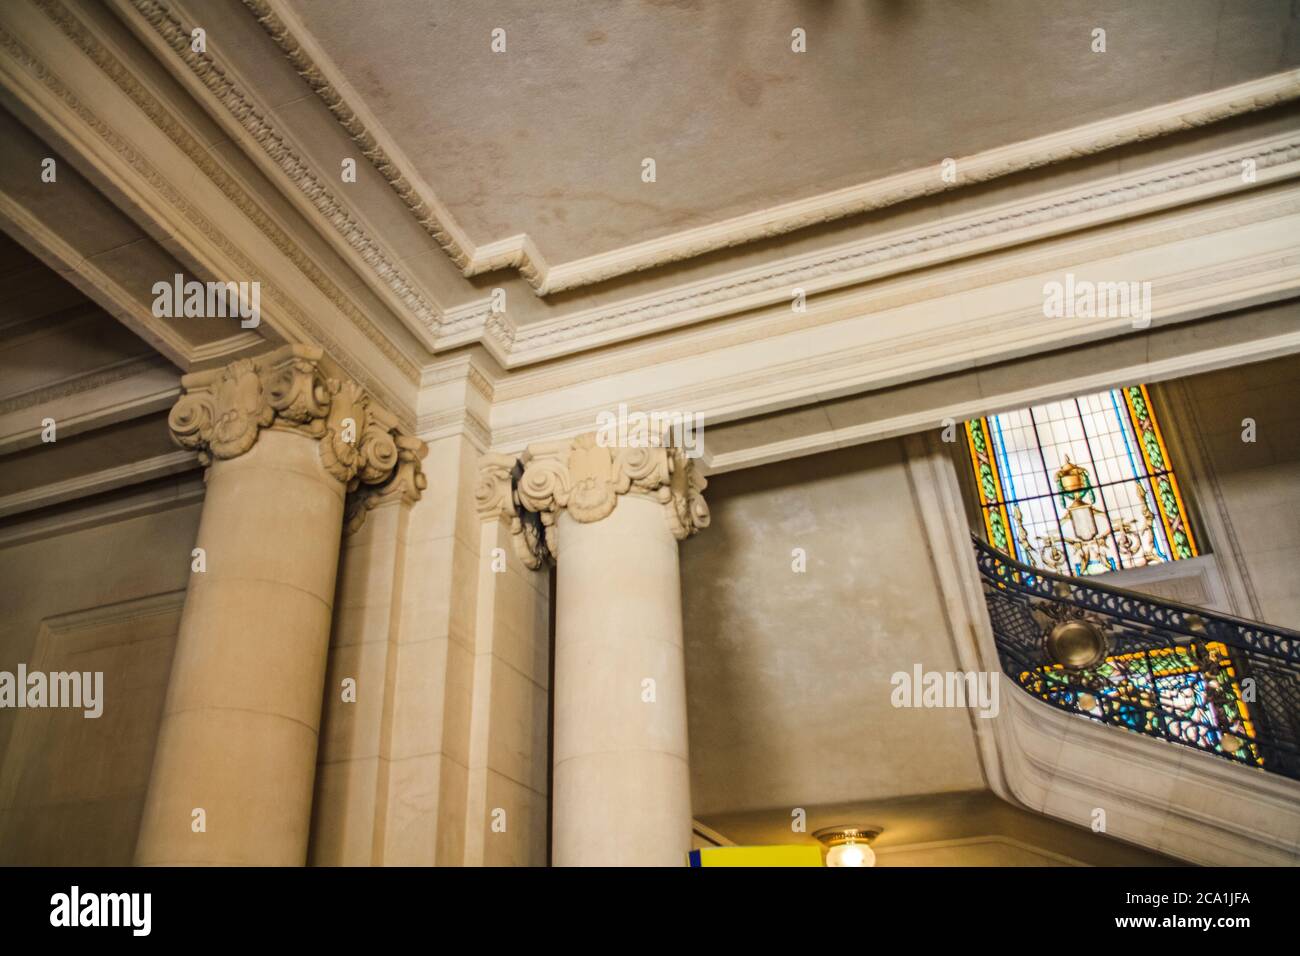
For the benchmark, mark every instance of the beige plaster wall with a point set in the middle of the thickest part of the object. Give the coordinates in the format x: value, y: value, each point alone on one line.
x: 1255, y: 485
x: 788, y: 674
x: 104, y: 598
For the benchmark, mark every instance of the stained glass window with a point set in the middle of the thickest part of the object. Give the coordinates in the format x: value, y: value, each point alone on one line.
x: 1081, y: 486
x: 1188, y: 692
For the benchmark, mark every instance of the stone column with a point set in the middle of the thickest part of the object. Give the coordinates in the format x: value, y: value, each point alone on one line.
x: 285, y: 437
x: 611, y: 518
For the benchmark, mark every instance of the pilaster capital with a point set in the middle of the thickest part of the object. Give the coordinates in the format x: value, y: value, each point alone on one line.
x: 297, y: 388
x: 494, y: 495
x: 585, y: 479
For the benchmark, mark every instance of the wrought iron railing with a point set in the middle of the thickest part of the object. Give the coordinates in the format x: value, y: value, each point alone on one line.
x: 1220, y: 684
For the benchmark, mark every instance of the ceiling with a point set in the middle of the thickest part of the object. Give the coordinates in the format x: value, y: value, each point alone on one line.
x: 547, y: 139
x: 49, y: 331
x: 63, y: 358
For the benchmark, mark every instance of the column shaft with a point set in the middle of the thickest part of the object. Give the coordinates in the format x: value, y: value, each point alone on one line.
x: 621, y: 778
x: 239, y: 730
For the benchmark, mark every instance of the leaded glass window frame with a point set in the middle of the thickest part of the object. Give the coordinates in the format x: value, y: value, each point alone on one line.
x: 1094, y: 474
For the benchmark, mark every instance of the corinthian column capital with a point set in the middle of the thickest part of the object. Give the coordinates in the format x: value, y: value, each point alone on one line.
x: 585, y: 479
x: 296, y: 388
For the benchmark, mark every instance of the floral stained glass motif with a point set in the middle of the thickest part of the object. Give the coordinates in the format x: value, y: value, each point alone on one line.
x: 1081, y: 486
x: 1190, y: 693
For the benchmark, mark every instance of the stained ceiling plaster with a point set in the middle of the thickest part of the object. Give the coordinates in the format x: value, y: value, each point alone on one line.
x: 547, y: 138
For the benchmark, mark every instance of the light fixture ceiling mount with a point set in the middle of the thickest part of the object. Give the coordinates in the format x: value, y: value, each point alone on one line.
x: 849, y: 845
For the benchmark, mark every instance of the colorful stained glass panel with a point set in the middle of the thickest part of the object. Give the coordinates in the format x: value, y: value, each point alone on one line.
x: 1190, y: 692
x: 1081, y: 486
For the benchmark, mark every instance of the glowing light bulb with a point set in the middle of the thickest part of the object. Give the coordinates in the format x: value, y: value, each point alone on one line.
x: 851, y: 854
x: 849, y: 845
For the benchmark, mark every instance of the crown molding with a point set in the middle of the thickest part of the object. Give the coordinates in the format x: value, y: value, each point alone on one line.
x: 132, y: 169
x: 513, y: 344
x: 1113, y: 198
x: 1201, y: 262
x: 762, y: 291
x: 326, y: 81
x: 232, y: 102
x: 521, y: 253
x: 981, y: 167
x: 1126, y: 246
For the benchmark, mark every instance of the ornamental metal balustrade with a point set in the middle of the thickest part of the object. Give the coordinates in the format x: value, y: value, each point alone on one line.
x: 1217, y: 683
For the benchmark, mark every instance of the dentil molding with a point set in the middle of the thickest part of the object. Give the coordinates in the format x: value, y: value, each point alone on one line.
x: 585, y: 478
x: 50, y: 97
x: 295, y: 388
x: 243, y: 109
x: 1020, y: 222
x: 520, y: 252
x: 514, y: 344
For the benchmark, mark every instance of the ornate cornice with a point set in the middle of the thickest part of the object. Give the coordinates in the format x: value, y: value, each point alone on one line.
x: 1096, y: 203
x: 521, y: 253
x: 222, y: 411
x: 585, y: 479
x: 181, y: 137
x: 251, y: 117
x: 514, y: 344
x: 905, y: 346
x: 429, y: 214
x: 1079, y: 142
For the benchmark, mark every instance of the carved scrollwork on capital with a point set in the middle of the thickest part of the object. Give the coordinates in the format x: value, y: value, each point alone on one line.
x: 585, y: 479
x: 222, y: 419
x: 496, y: 498
x: 689, y: 513
x: 221, y: 413
x: 492, y: 495
x: 405, y: 482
